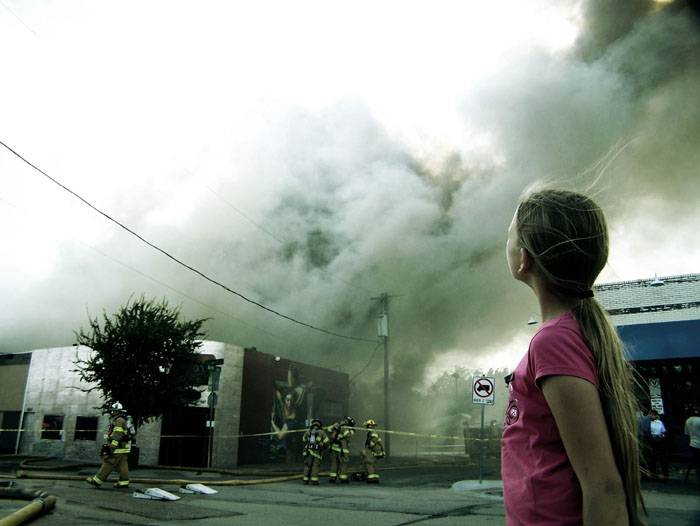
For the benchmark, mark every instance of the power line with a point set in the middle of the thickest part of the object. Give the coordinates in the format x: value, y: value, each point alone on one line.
x: 273, y: 236
x: 159, y: 282
x: 18, y: 18
x: 374, y: 353
x: 262, y: 228
x: 178, y: 261
x: 251, y: 221
x: 384, y: 305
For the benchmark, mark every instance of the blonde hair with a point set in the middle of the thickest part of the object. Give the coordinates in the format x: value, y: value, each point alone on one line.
x: 566, y: 235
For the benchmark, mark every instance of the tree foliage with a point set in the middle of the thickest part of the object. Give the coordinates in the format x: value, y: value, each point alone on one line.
x: 143, y: 356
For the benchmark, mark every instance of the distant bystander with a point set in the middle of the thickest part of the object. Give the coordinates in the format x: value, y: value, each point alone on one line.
x: 692, y: 429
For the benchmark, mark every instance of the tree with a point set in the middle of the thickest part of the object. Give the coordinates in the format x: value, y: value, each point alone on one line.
x: 144, y: 357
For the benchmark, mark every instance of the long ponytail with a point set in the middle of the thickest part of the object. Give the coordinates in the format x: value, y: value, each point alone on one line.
x: 566, y: 235
x: 615, y: 384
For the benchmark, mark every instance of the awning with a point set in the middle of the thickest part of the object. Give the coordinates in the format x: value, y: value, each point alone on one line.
x: 661, y: 341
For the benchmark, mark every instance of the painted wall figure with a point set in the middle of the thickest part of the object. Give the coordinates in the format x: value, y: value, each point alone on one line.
x: 289, y: 406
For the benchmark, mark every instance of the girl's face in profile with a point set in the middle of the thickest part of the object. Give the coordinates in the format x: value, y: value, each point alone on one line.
x: 513, y: 248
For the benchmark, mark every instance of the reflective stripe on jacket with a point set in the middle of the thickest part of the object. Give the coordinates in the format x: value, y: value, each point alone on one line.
x: 340, y: 438
x: 321, y: 442
x: 118, y: 436
x: 374, y: 444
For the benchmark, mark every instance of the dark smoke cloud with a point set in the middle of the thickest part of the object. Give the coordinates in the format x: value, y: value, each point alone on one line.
x: 604, y: 23
x: 345, y: 212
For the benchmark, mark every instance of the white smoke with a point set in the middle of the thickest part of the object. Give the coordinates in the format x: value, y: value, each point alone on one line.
x: 313, y: 212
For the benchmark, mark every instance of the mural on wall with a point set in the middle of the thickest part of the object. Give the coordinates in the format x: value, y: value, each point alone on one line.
x: 291, y: 403
x: 278, y: 400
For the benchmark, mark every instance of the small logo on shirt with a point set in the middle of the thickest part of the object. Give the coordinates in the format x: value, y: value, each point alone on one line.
x: 513, y: 413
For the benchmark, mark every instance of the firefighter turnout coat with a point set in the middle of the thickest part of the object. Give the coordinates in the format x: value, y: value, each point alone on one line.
x: 340, y: 451
x: 373, y: 450
x: 315, y: 442
x: 115, y: 453
x: 118, y: 436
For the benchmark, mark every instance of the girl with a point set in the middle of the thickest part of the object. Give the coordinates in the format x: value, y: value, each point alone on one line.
x: 570, y: 453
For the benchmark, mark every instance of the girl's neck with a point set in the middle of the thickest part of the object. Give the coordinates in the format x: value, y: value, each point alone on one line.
x: 551, y: 306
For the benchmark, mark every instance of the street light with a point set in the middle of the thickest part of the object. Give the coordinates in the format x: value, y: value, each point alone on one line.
x: 656, y: 282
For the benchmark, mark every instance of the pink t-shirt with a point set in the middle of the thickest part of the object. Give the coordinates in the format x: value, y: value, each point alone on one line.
x: 539, y: 485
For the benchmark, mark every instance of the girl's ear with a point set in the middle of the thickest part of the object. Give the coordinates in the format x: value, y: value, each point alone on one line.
x: 525, y: 262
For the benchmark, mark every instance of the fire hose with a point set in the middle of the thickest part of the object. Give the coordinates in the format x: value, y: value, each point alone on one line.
x: 180, y: 482
x: 29, y: 463
x: 29, y: 470
x: 41, y: 503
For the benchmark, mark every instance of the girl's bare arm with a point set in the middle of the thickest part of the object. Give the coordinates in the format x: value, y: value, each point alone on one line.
x: 577, y: 410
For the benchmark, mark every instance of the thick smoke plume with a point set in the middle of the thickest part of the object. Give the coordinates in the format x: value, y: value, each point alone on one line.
x: 341, y: 211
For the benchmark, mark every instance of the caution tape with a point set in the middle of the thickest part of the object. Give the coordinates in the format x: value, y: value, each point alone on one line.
x: 426, y: 435
x: 278, y: 433
x: 270, y: 433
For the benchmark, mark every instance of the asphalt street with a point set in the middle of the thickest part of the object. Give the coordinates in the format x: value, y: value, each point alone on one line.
x: 407, y: 495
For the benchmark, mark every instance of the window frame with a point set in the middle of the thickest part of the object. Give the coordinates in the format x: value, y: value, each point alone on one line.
x: 53, y: 433
x: 82, y: 432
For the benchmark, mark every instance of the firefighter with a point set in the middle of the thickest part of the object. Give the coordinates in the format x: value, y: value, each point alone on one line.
x: 315, y: 441
x: 115, y: 452
x: 373, y: 450
x: 340, y: 434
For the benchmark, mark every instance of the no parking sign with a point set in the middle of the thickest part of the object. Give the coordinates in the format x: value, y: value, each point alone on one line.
x: 483, y: 390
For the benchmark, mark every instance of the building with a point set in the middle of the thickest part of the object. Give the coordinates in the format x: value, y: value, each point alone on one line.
x: 13, y: 378
x: 45, y: 409
x: 659, y: 321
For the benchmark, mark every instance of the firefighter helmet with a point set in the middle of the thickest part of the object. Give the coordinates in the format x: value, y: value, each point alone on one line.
x: 370, y: 423
x: 116, y: 407
x: 316, y: 422
x: 349, y: 421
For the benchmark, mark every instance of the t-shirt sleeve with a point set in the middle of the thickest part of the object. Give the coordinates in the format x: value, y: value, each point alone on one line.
x: 559, y: 351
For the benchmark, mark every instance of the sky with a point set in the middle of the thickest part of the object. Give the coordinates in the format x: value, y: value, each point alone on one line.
x: 313, y: 155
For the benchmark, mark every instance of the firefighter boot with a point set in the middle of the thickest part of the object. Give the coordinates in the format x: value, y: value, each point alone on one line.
x: 94, y: 482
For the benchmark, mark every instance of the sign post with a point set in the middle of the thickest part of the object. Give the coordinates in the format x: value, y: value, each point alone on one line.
x: 214, y: 369
x: 483, y: 393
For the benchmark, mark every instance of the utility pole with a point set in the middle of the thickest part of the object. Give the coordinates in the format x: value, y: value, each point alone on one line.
x: 383, y: 333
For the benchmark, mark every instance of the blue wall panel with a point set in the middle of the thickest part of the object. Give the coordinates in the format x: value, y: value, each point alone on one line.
x: 661, y: 341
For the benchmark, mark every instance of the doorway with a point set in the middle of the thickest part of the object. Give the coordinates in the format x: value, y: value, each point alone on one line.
x: 10, y: 426
x: 185, y: 437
